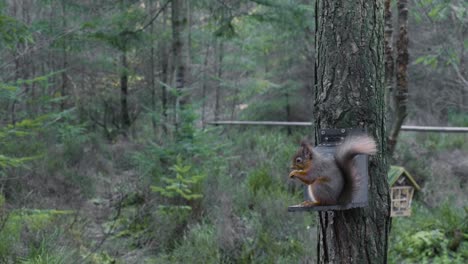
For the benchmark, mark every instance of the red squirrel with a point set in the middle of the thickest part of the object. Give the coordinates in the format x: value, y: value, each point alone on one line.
x: 331, y: 181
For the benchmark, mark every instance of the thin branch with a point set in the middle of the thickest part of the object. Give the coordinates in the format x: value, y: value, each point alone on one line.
x: 46, y: 44
x: 106, y: 234
x: 155, y: 16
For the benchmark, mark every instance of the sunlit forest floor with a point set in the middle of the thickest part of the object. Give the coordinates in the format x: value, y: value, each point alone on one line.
x: 219, y: 197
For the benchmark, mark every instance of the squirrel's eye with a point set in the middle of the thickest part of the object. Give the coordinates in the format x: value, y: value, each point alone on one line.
x: 298, y: 160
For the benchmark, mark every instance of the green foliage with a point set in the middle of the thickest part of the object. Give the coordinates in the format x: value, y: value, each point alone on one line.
x: 199, y: 245
x: 260, y: 179
x: 102, y: 258
x: 122, y: 30
x: 271, y: 231
x: 458, y: 118
x: 12, y: 32
x: 15, y: 142
x: 6, y: 162
x: 48, y: 252
x: 439, y: 141
x: 74, y: 138
x: 423, y: 244
x: 34, y: 222
x: 20, y: 139
x: 425, y: 236
x: 183, y: 185
x: 428, y: 60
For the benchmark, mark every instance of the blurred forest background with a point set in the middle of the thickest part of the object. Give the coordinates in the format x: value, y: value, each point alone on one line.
x: 106, y: 155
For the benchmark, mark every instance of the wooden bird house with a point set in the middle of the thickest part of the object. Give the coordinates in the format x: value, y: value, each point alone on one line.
x: 402, y: 186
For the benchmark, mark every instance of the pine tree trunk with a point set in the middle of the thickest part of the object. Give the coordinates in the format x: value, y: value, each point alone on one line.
x: 219, y: 76
x: 63, y: 91
x: 401, y: 93
x: 179, y: 23
x: 125, y: 116
x: 389, y: 59
x: 205, y: 84
x: 350, y: 92
x: 164, y: 72
x: 152, y: 77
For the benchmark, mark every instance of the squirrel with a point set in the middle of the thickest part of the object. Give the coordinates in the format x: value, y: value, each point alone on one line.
x: 331, y: 181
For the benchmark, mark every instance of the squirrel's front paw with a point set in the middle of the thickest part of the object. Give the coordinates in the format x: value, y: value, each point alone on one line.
x: 292, y: 174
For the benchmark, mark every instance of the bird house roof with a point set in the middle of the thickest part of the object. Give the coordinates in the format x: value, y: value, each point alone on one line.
x: 396, y: 172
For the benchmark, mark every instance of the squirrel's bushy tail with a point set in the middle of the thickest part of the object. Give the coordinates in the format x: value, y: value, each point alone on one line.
x: 345, y: 153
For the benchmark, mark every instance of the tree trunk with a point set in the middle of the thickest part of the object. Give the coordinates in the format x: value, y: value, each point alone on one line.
x: 125, y: 116
x: 164, y: 73
x: 63, y: 91
x: 401, y: 93
x: 179, y: 22
x: 219, y: 76
x: 17, y: 68
x: 350, y: 93
x: 152, y: 77
x: 205, y: 84
x: 389, y: 60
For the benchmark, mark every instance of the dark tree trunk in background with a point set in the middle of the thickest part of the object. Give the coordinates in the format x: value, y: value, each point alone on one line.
x: 179, y: 23
x: 219, y: 76
x: 350, y: 92
x: 401, y: 92
x: 205, y: 83
x: 152, y: 77
x: 164, y: 72
x: 63, y: 91
x: 125, y: 116
x: 389, y: 60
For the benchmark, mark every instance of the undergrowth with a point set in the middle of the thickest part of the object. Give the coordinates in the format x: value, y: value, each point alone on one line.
x: 209, y: 196
x: 430, y: 235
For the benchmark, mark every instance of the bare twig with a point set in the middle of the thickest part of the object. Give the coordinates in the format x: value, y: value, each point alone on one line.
x: 107, y: 234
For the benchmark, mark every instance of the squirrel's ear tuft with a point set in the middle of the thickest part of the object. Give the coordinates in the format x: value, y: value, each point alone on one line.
x: 306, y: 149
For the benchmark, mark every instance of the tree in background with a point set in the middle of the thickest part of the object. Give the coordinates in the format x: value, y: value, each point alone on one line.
x: 396, y: 94
x: 179, y: 53
x: 439, y: 87
x: 350, y: 93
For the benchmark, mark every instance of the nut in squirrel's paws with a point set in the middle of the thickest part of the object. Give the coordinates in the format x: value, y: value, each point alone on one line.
x: 293, y: 173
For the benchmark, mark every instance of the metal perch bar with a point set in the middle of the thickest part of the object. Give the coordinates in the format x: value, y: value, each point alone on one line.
x: 281, y: 123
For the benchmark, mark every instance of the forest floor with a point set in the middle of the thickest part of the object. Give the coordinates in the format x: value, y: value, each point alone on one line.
x: 114, y: 216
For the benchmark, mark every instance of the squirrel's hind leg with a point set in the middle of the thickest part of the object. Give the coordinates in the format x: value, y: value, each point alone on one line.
x: 321, y: 193
x: 313, y: 201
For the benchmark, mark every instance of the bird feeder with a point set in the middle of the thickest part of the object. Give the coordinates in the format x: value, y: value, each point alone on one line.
x: 329, y: 140
x: 402, y: 186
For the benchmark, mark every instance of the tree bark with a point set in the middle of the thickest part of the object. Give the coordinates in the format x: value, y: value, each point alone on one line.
x: 152, y: 77
x: 401, y: 93
x: 219, y: 76
x: 205, y: 83
x: 125, y: 116
x: 350, y: 92
x: 164, y: 72
x: 63, y: 91
x: 389, y: 60
x: 179, y: 23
